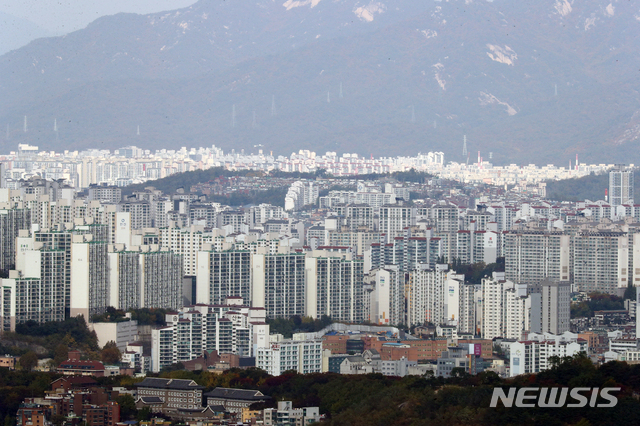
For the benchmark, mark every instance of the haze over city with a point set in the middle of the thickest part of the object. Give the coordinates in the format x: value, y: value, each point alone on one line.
x: 319, y: 211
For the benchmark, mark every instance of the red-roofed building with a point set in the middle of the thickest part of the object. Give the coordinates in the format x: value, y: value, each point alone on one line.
x: 76, y: 367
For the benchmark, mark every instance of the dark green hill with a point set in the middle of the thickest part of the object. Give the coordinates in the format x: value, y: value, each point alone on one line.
x: 590, y: 187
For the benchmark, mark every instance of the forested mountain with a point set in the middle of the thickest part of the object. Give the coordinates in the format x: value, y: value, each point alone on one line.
x: 529, y: 81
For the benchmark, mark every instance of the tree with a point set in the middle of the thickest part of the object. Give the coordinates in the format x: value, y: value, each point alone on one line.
x: 57, y: 419
x: 630, y: 293
x: 127, y: 406
x: 144, y: 414
x: 110, y: 354
x: 60, y: 354
x: 458, y: 372
x: 28, y: 361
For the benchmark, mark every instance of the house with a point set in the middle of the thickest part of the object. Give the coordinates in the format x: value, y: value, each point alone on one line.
x: 8, y: 361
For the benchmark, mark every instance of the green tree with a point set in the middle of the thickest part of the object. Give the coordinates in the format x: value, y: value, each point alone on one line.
x: 57, y: 419
x: 29, y: 361
x: 127, y: 405
x: 143, y: 414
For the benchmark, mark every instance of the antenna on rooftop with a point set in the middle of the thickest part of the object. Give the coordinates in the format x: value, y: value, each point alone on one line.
x: 55, y: 127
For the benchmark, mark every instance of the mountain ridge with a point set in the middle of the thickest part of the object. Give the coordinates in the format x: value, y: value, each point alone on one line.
x: 525, y: 89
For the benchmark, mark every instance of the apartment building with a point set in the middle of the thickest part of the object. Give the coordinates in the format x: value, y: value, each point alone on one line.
x: 11, y: 222
x: 395, y: 218
x: 223, y: 274
x: 621, y: 186
x: 550, y: 307
x: 334, y: 287
x: 532, y: 356
x: 303, y: 356
x: 504, y: 308
x: 89, y: 278
x: 384, y: 290
x: 601, y: 261
x: 428, y: 299
x: 186, y: 242
x: 532, y: 255
x: 151, y: 279
x: 279, y: 284
x: 229, y: 328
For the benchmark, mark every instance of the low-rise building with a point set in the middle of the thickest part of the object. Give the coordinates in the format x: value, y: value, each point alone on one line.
x: 234, y: 400
x: 285, y: 414
x: 74, y: 366
x: 533, y: 356
x: 8, y: 361
x: 167, y: 395
x: 303, y: 356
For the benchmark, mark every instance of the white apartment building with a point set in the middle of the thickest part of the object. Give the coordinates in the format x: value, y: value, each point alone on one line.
x: 443, y: 216
x: 279, y: 284
x: 504, y: 308
x: 477, y: 246
x: 141, y: 213
x: 384, y: 296
x: 264, y: 212
x: 229, y: 328
x: 373, y: 199
x: 89, y: 277
x: 300, y: 194
x: 121, y: 333
x: 223, y: 274
x: 303, y: 356
x: 186, y: 242
x: 334, y: 287
x: 532, y: 356
x: 395, y: 218
x: 621, y: 186
x: 433, y: 296
x: 601, y: 261
x: 532, y: 255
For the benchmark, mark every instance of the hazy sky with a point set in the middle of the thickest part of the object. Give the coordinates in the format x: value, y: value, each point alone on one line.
x: 64, y: 16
